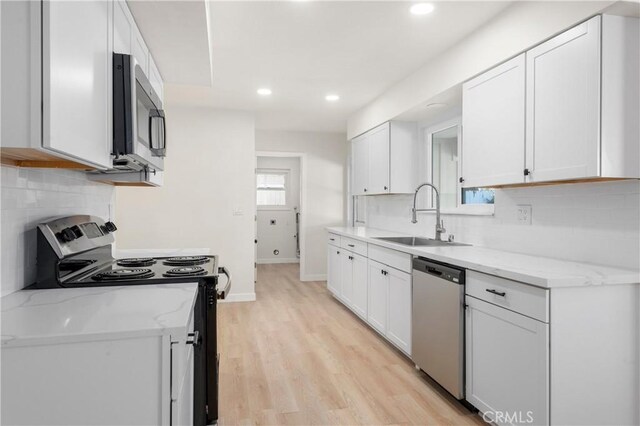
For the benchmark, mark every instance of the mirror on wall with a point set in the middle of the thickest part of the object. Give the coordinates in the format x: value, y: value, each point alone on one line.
x: 444, y: 165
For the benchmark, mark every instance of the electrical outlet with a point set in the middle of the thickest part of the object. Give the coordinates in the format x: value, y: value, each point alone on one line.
x: 524, y: 214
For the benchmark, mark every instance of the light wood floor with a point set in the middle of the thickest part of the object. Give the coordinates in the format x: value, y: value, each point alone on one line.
x: 297, y: 356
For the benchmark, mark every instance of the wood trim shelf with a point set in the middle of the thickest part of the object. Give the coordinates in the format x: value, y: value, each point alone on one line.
x: 29, y: 157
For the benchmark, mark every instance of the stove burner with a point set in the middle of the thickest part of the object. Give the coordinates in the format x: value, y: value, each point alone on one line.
x: 136, y: 261
x: 186, y: 260
x: 185, y: 271
x: 123, y: 274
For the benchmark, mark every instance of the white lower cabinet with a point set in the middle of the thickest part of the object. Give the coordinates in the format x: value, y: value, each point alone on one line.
x: 378, y: 296
x: 507, y: 364
x: 346, y: 268
x: 359, y: 286
x: 334, y: 271
x: 399, y: 308
x: 378, y: 293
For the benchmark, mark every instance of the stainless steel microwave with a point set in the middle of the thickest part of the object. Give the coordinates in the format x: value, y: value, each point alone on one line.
x: 139, y: 123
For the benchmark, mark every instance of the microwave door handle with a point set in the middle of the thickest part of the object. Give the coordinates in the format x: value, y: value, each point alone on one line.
x: 164, y: 131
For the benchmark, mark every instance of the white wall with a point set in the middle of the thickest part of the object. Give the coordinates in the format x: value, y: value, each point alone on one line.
x: 208, y: 197
x: 586, y: 222
x: 32, y: 196
x: 326, y: 160
x: 281, y: 235
x: 517, y: 28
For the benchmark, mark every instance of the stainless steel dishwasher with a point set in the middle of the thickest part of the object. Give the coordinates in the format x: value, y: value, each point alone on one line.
x: 438, y: 323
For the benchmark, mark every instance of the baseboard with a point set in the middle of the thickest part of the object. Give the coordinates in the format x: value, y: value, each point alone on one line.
x: 270, y: 261
x: 314, y: 277
x: 239, y: 297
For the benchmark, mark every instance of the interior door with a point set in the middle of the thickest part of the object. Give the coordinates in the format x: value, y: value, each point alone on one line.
x: 493, y: 126
x: 563, y: 105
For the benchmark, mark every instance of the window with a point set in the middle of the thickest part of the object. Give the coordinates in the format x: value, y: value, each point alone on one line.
x: 443, y: 152
x: 271, y: 187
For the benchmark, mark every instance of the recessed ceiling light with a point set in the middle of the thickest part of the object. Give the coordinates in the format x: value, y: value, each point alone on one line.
x: 264, y: 91
x: 421, y: 9
x: 332, y: 98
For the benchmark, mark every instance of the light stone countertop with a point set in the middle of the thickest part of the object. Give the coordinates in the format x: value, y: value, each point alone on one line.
x: 535, y: 270
x: 51, y: 316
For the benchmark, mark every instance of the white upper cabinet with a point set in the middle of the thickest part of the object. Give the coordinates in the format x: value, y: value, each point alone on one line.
x: 76, y: 81
x: 385, y: 160
x: 576, y: 118
x: 122, y: 28
x: 563, y: 105
x: 379, y: 161
x: 493, y: 126
x: 56, y: 84
x: 360, y: 155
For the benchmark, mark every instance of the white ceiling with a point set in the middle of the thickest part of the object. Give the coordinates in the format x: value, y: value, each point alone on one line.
x: 304, y: 50
x: 177, y: 33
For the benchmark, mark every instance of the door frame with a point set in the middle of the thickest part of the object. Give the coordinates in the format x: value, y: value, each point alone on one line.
x: 303, y: 202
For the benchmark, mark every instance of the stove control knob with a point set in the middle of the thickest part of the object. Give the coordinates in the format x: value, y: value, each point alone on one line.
x: 66, y: 235
x: 110, y: 227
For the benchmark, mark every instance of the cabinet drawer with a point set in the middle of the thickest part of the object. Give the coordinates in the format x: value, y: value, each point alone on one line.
x: 355, y: 246
x: 333, y: 239
x: 524, y: 299
x: 393, y: 258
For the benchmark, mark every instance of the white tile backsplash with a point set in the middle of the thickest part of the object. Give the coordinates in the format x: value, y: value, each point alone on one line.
x: 587, y: 222
x: 31, y: 196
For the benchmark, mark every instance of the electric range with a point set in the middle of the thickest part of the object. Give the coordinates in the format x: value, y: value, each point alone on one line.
x: 76, y: 251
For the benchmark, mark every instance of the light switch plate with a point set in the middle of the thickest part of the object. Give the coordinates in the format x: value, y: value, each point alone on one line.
x: 523, y: 215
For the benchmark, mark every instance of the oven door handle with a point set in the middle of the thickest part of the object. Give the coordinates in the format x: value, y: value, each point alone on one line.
x: 223, y: 293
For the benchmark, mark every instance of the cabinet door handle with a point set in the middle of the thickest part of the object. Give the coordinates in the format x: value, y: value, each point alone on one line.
x: 332, y: 239
x: 337, y: 252
x: 461, y: 180
x: 385, y: 188
x: 350, y: 245
x: 350, y: 257
x: 496, y: 292
x: 527, y: 172
x: 365, y: 190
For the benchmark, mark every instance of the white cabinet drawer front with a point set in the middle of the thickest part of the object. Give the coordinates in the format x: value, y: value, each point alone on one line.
x: 525, y: 299
x: 355, y: 246
x: 334, y: 240
x: 395, y: 259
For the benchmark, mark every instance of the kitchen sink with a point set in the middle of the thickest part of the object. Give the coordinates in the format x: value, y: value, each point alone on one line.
x: 419, y: 242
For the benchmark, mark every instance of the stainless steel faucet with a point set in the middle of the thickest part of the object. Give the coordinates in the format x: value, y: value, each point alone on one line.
x: 439, y: 223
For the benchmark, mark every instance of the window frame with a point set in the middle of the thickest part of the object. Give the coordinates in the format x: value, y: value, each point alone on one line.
x: 427, y: 171
x: 287, y: 198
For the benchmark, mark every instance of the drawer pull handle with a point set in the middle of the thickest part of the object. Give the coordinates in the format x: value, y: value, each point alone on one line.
x: 196, y: 339
x: 350, y: 245
x: 496, y: 292
x: 332, y: 239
